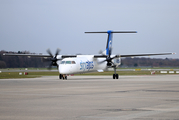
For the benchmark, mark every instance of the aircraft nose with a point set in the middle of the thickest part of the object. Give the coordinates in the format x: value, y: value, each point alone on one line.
x: 67, y: 69
x: 63, y: 70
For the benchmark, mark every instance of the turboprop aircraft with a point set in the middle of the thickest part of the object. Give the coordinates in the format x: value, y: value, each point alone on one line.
x: 75, y: 64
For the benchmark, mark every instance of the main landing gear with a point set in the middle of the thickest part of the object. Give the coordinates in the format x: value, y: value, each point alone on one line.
x: 64, y: 77
x: 115, y: 76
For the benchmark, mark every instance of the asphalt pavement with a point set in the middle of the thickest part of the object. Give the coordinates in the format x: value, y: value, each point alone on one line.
x: 153, y: 97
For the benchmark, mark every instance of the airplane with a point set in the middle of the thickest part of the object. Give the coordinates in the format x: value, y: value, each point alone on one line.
x: 77, y: 64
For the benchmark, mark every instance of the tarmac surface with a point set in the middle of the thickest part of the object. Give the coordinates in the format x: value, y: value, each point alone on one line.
x: 55, y: 70
x: 154, y: 97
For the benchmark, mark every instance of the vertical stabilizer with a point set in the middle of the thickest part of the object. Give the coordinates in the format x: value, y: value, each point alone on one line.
x: 109, y: 43
x: 108, y: 50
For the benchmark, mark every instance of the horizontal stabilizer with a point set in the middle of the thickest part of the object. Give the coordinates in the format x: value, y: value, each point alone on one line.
x: 114, y: 32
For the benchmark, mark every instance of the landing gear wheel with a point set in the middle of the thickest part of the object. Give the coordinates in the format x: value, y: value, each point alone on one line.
x: 64, y: 77
x: 60, y: 76
x: 115, y: 76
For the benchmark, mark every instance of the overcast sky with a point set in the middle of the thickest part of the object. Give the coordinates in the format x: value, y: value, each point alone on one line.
x: 36, y: 25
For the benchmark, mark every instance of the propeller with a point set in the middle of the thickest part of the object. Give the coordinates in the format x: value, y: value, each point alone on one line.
x: 101, y: 52
x: 108, y: 58
x: 53, y: 59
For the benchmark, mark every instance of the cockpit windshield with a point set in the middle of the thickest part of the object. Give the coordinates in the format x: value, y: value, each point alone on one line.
x: 68, y: 62
x: 63, y: 62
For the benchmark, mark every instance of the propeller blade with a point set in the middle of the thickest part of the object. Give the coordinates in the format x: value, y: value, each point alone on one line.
x: 116, y: 56
x: 109, y: 52
x: 53, y: 59
x: 49, y: 52
x: 100, y: 52
x: 101, y: 62
x: 57, y: 52
x: 109, y: 60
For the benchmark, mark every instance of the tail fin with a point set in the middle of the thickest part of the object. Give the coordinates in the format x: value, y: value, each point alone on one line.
x: 109, y: 43
x: 109, y: 39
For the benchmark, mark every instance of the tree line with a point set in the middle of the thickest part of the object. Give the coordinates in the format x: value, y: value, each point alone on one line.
x: 36, y: 62
x: 149, y: 62
x: 21, y: 61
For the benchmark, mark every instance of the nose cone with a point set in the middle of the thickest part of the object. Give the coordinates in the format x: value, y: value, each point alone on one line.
x: 63, y: 69
x: 67, y: 69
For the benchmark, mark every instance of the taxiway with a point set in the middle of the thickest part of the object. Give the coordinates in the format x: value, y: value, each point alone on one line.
x: 90, y: 98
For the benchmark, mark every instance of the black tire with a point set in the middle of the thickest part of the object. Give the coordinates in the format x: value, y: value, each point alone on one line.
x: 117, y: 76
x: 114, y: 76
x: 60, y: 76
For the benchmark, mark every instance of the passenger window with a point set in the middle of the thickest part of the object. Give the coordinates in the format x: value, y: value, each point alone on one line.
x: 68, y: 62
x: 73, y: 62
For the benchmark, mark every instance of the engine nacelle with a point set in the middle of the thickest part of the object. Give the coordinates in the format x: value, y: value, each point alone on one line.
x: 117, y: 61
x: 59, y: 57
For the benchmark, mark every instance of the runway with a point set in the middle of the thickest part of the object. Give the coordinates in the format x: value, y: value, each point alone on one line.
x: 153, y: 97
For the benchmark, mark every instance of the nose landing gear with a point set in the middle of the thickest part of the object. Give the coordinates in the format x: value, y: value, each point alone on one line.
x: 64, y: 77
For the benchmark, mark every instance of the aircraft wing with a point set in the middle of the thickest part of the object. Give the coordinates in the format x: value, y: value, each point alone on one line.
x: 28, y: 55
x: 133, y: 55
x: 37, y: 55
x: 100, y: 56
x: 95, y: 56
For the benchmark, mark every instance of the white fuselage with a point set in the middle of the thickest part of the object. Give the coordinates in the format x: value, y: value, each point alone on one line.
x: 81, y: 64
